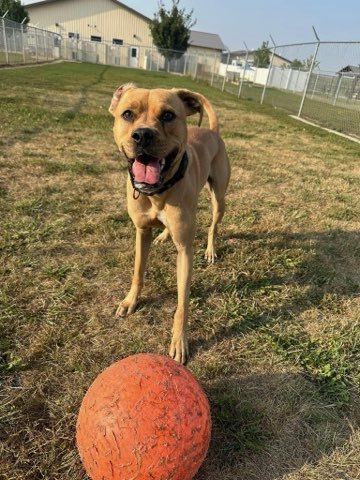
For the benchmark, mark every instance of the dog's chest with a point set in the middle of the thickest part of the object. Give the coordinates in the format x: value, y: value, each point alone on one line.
x: 161, y: 216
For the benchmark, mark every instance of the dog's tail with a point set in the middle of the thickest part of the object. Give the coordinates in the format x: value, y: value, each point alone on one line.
x: 206, y: 105
x: 196, y: 103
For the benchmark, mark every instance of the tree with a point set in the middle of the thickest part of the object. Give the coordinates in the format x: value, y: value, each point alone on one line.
x: 262, y: 56
x: 308, y: 62
x: 16, y: 11
x: 297, y: 64
x: 170, y: 30
x: 305, y: 65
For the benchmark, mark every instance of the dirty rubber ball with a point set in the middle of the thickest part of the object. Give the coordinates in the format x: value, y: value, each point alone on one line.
x: 144, y: 417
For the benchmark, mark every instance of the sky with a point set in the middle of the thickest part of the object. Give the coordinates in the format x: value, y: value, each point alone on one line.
x: 287, y: 21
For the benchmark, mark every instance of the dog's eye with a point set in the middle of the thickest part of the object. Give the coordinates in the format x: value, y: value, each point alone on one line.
x: 167, y: 116
x: 128, y: 115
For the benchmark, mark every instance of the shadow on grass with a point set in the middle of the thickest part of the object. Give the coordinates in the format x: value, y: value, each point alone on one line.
x: 266, y: 426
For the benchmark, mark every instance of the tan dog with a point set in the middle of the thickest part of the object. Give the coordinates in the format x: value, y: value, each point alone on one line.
x: 169, y: 163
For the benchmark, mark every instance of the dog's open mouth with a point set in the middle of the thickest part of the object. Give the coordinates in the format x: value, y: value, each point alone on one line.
x: 148, y: 172
x: 147, y: 169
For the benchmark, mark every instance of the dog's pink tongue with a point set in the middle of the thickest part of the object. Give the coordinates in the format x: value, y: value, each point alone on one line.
x: 149, y: 173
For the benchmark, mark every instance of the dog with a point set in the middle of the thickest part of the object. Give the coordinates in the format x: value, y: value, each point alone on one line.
x: 168, y: 165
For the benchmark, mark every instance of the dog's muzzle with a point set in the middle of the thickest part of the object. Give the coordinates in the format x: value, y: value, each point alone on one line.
x: 148, y: 173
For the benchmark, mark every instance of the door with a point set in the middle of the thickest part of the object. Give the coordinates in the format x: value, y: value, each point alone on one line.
x: 133, y: 56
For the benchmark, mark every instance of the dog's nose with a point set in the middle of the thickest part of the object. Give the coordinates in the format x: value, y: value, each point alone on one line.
x: 143, y: 136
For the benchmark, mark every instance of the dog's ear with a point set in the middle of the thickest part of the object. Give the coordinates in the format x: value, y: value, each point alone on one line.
x: 193, y: 102
x: 117, y: 94
x: 196, y: 103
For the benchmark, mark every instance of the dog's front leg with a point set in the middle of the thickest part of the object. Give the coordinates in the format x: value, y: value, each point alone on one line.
x: 143, y: 242
x: 179, y: 345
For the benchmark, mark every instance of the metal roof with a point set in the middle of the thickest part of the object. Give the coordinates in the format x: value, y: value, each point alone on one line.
x: 206, y: 40
x: 355, y: 69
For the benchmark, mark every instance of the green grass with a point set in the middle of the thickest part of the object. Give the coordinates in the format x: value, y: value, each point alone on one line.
x: 274, y: 324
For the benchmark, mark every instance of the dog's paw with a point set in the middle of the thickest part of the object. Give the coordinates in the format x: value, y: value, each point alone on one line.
x: 162, y: 237
x: 210, y: 255
x: 125, y: 308
x: 179, y: 349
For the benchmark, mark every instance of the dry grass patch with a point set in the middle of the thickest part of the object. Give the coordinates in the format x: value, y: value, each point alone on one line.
x: 274, y: 324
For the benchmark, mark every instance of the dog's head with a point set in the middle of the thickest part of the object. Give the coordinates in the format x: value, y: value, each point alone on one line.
x: 150, y: 129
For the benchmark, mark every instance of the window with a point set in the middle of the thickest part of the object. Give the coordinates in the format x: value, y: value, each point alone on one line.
x: 74, y: 35
x: 117, y: 41
x: 95, y: 38
x: 134, y: 52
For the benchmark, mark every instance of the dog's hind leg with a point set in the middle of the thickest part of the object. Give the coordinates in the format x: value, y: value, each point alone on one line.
x: 217, y: 184
x: 142, y: 247
x: 162, y: 237
x: 218, y: 209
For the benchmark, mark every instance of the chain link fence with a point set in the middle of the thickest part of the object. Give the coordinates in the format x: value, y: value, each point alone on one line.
x: 316, y: 81
x: 21, y: 44
x: 147, y: 58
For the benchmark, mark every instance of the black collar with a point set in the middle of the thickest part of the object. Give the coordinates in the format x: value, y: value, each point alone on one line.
x: 149, y: 190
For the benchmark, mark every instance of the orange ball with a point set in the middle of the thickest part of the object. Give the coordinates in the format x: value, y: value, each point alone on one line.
x: 144, y: 417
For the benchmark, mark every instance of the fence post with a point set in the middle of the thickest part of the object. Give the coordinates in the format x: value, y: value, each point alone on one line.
x: 267, y: 77
x: 244, y: 70
x: 225, y: 75
x: 315, y: 84
x: 337, y: 90
x: 310, y: 72
x: 45, y: 45
x: 196, y: 69
x: 288, y: 80
x: 213, y: 70
x: 269, y: 72
x: 36, y: 45
x: 23, y: 42
x: 5, y: 40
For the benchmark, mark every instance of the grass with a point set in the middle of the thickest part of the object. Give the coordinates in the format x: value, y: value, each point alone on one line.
x: 274, y: 325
